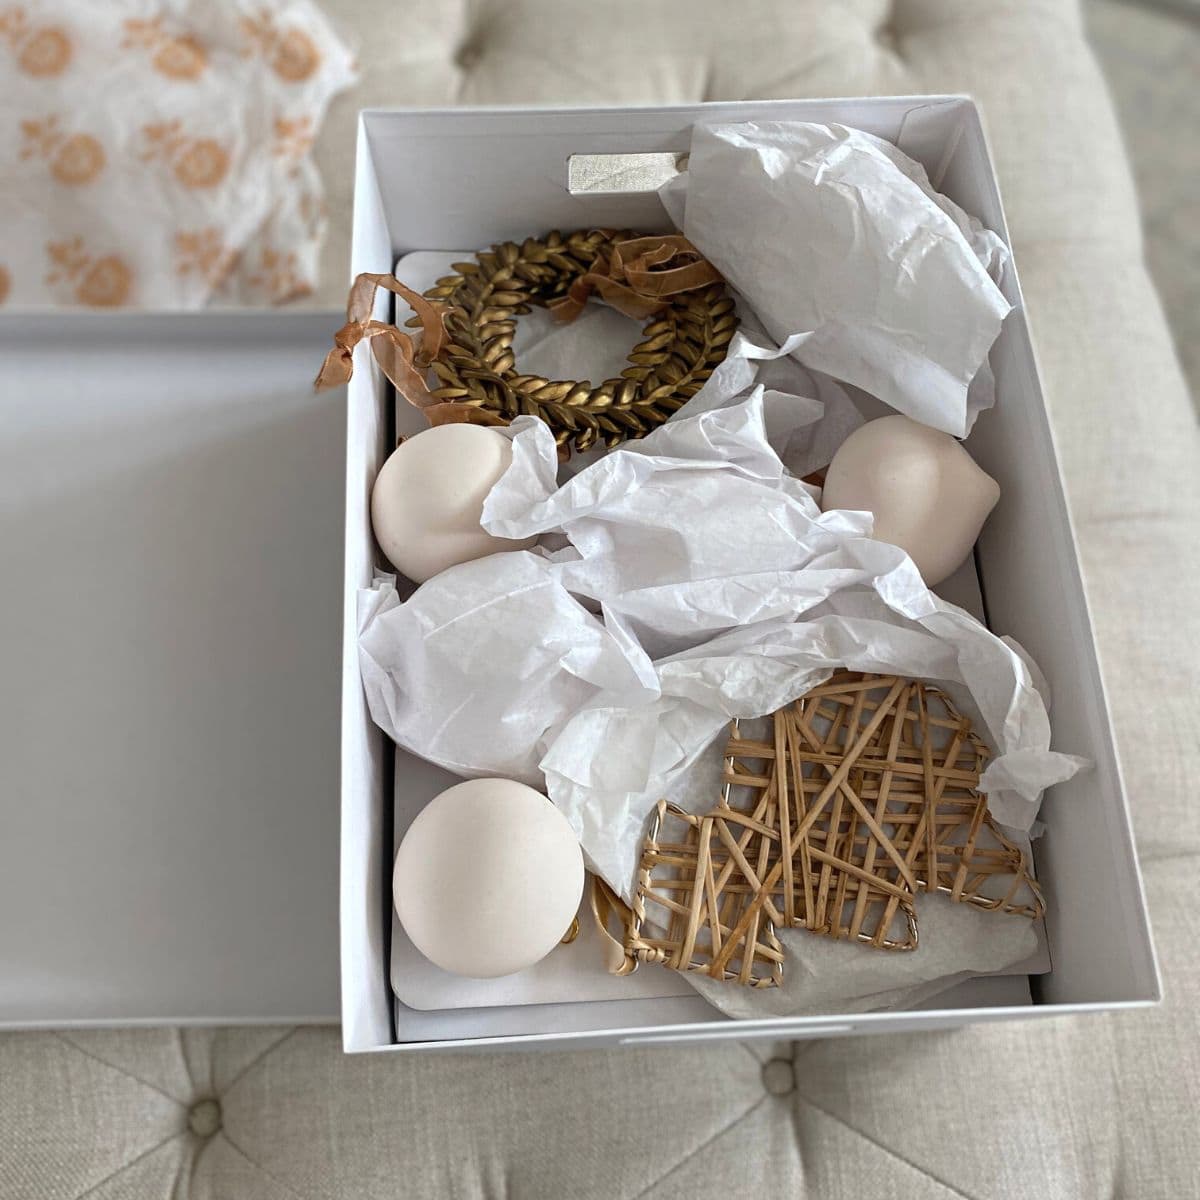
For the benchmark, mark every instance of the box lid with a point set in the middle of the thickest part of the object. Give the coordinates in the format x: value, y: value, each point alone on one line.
x: 171, y: 502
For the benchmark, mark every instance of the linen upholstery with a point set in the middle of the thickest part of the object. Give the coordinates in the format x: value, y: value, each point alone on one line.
x: 1064, y: 1109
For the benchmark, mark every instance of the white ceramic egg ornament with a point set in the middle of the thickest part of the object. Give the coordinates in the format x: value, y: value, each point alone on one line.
x: 428, y: 499
x: 488, y: 878
x: 927, y: 494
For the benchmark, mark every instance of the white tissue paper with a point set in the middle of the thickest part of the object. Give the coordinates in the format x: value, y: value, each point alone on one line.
x: 484, y: 658
x: 839, y: 243
x: 714, y: 562
x: 808, y: 415
x: 822, y: 976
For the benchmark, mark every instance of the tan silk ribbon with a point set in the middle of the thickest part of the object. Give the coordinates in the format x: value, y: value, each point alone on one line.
x: 395, y: 351
x: 638, y: 277
x: 452, y: 412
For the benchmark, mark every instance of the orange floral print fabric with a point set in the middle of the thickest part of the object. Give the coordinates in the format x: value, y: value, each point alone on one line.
x: 72, y: 158
x: 197, y: 162
x: 94, y: 280
x: 175, y: 55
x: 40, y: 49
x: 159, y: 154
x: 287, y: 48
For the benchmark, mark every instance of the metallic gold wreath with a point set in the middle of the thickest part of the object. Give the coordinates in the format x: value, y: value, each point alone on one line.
x: 691, y: 321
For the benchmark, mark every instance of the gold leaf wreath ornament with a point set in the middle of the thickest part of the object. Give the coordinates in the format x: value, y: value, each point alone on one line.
x: 468, y: 321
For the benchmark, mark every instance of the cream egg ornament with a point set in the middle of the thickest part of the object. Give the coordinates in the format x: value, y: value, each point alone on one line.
x: 488, y: 878
x: 927, y: 494
x: 428, y: 499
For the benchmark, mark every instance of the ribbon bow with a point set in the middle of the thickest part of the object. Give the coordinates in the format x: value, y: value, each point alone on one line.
x: 638, y: 277
x: 395, y: 351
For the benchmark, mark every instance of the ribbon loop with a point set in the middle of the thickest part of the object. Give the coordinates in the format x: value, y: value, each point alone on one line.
x: 639, y: 277
x: 401, y: 358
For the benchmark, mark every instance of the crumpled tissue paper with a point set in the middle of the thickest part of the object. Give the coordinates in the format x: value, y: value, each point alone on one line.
x: 483, y: 659
x: 719, y: 566
x: 822, y: 976
x: 898, y: 291
x: 724, y: 592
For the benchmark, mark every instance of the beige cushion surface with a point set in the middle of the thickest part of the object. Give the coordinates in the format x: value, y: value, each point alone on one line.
x: 1072, y: 1109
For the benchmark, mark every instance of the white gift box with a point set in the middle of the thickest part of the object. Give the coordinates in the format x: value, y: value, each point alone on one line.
x: 429, y: 180
x: 169, y: 807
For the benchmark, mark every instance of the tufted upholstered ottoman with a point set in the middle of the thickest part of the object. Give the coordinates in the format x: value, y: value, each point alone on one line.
x: 1074, y: 1109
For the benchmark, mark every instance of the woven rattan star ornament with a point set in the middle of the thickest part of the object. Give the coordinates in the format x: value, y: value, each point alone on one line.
x: 469, y: 319
x: 861, y: 794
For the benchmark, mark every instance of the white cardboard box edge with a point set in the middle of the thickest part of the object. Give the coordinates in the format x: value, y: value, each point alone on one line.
x: 366, y: 1000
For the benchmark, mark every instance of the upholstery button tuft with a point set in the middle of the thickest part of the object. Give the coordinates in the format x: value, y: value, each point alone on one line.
x: 468, y: 56
x: 778, y: 1077
x: 204, y: 1118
